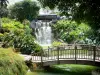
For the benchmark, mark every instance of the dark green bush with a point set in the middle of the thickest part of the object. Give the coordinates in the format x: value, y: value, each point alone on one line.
x: 28, y: 45
x: 11, y: 63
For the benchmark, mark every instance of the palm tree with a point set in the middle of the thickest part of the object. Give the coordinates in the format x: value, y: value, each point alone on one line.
x: 3, y: 3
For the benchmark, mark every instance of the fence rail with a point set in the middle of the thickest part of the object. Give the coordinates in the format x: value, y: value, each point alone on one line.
x: 70, y: 51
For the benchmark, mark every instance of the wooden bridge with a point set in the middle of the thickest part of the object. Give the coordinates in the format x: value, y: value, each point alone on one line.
x: 68, y: 54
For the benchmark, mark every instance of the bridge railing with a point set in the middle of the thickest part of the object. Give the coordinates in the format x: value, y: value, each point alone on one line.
x: 68, y: 52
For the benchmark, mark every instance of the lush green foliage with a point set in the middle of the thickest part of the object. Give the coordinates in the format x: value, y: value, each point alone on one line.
x: 70, y: 31
x: 11, y: 63
x: 11, y: 25
x: 18, y: 36
x: 26, y: 9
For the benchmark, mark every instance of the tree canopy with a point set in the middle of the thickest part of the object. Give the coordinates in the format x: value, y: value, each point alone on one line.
x: 3, y: 8
x: 80, y: 10
x: 26, y: 9
x: 3, y: 2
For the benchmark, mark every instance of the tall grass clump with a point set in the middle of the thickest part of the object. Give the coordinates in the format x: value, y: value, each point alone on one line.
x: 11, y: 63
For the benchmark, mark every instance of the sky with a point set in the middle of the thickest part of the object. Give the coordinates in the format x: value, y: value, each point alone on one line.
x: 13, y: 1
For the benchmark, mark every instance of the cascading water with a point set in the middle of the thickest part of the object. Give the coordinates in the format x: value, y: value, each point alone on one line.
x: 43, y: 33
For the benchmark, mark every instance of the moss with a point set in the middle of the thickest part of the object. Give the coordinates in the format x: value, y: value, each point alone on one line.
x: 11, y: 63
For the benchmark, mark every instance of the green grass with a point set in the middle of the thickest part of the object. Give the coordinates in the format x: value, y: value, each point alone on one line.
x: 66, y: 69
x: 73, y: 69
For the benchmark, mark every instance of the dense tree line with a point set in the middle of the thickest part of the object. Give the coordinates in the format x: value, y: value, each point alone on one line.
x: 3, y: 8
x: 26, y: 9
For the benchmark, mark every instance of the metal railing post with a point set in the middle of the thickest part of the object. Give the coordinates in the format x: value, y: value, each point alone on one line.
x: 94, y: 54
x: 41, y: 58
x: 48, y: 50
x: 75, y: 54
x: 58, y: 56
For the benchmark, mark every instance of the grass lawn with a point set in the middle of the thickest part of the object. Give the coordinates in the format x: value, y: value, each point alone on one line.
x: 73, y: 69
x: 66, y: 69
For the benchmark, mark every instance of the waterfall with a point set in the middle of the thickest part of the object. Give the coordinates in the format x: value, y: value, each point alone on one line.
x: 43, y: 33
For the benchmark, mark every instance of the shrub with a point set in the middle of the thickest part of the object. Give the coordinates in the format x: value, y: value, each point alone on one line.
x: 70, y: 32
x: 11, y: 63
x: 11, y: 24
x: 56, y: 43
x: 19, y: 36
x: 27, y: 45
x: 1, y: 36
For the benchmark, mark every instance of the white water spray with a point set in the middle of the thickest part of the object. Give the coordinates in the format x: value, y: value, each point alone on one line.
x: 43, y: 33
